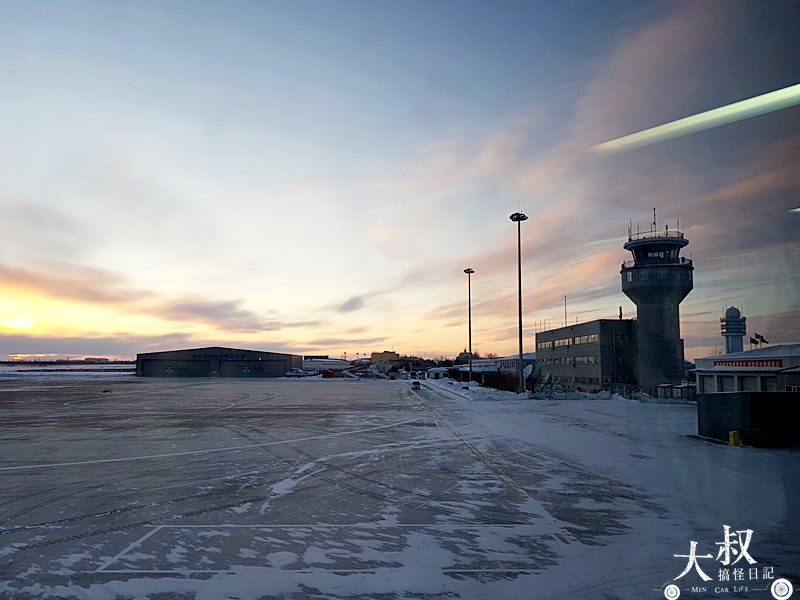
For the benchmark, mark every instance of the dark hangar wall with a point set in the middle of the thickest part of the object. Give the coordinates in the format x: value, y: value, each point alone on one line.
x: 215, y: 362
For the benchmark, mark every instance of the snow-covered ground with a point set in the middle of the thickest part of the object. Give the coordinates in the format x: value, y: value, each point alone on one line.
x: 32, y: 371
x: 687, y: 488
x: 342, y: 489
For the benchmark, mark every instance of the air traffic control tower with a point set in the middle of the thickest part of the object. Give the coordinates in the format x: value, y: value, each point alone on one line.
x: 657, y: 280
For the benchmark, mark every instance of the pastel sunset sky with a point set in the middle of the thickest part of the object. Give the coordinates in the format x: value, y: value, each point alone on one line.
x: 314, y: 176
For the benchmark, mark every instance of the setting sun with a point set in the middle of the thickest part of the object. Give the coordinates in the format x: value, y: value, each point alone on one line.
x: 16, y: 323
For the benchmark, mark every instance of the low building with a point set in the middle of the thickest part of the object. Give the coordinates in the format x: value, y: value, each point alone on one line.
x: 215, y: 362
x: 385, y: 356
x: 437, y: 373
x: 320, y: 363
x: 504, y: 364
x: 591, y: 356
x: 510, y: 364
x: 769, y: 369
x: 382, y: 361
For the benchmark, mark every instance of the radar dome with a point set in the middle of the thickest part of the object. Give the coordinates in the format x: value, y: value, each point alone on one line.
x: 733, y: 313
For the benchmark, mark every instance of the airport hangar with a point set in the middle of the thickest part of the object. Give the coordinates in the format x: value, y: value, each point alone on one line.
x: 216, y: 362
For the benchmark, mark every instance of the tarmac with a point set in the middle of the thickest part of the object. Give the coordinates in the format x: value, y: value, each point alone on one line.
x: 191, y: 489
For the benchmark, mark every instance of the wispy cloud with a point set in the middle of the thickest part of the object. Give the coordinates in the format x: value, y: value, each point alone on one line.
x: 92, y: 286
x: 356, y: 303
x: 183, y: 221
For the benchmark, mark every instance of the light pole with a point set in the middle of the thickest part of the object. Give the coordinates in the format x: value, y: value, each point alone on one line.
x: 469, y: 271
x: 518, y: 218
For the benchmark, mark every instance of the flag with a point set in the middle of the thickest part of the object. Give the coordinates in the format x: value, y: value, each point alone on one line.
x: 761, y: 339
x: 754, y: 341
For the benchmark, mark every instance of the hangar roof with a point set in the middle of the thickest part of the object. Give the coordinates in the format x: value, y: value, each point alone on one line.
x: 211, y: 350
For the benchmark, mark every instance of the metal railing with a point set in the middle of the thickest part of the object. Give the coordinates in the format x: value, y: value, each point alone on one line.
x: 657, y: 261
x: 648, y: 235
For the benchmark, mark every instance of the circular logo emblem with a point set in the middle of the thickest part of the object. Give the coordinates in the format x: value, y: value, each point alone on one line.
x: 672, y: 592
x: 781, y: 588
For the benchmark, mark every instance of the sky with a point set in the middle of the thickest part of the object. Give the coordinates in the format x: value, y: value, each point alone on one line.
x: 314, y: 176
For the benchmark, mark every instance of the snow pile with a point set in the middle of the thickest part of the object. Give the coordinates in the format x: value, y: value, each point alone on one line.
x: 474, y: 391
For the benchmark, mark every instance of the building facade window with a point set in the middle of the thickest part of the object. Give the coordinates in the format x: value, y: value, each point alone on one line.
x: 748, y: 383
x: 726, y: 383
x: 707, y: 385
x: 587, y: 360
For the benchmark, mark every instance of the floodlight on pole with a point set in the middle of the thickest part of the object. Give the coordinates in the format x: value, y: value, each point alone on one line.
x: 469, y: 271
x: 518, y: 218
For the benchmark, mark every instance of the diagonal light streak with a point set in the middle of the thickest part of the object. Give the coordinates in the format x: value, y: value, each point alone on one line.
x: 723, y: 115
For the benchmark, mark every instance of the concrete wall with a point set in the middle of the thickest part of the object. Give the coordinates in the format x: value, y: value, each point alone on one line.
x: 761, y: 418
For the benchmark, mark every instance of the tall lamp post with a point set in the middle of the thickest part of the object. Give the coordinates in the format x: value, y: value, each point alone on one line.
x: 518, y: 218
x: 469, y: 271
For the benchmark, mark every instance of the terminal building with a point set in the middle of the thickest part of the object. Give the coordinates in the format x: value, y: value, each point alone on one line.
x: 215, y: 362
x: 772, y: 369
x: 590, y: 355
x: 508, y: 365
x: 645, y: 353
x: 325, y: 363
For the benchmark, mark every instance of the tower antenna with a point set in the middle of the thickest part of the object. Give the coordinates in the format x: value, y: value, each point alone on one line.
x: 654, y: 219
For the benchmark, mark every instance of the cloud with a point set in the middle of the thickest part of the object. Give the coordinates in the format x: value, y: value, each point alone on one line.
x: 93, y: 286
x: 124, y: 345
x: 32, y: 232
x: 226, y: 316
x: 356, y: 303
x: 412, y: 227
x: 353, y: 304
x: 462, y: 159
x: 327, y: 342
x: 579, y: 205
x: 69, y: 281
